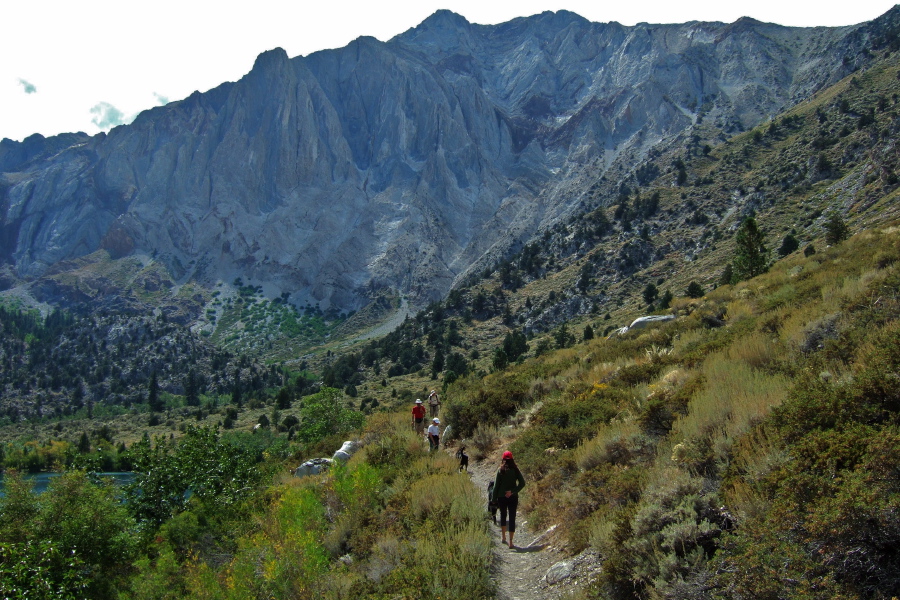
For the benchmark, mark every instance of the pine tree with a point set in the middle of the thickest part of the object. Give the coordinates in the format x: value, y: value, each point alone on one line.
x: 694, y: 290
x: 437, y: 364
x: 153, y: 400
x: 727, y: 274
x: 283, y: 399
x: 191, y: 393
x: 236, y: 390
x: 788, y: 245
x: 665, y: 301
x: 588, y: 332
x: 77, y: 395
x: 651, y: 293
x: 501, y: 360
x: 515, y: 345
x: 751, y: 255
x: 836, y: 230
x: 562, y: 337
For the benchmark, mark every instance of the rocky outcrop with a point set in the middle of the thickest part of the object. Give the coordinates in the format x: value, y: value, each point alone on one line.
x: 399, y: 165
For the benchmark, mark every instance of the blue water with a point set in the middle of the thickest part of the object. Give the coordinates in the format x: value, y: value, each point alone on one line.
x: 42, y: 480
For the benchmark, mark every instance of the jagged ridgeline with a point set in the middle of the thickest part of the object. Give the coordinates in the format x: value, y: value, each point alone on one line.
x: 399, y: 167
x: 745, y: 448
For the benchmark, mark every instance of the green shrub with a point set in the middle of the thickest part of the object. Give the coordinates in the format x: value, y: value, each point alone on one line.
x: 484, y: 439
x: 76, y: 539
x: 673, y: 530
x: 631, y: 375
x: 489, y: 401
x: 834, y: 522
x: 322, y: 415
x: 41, y: 570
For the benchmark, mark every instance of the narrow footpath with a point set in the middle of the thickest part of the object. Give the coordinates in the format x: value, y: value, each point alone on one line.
x: 535, y: 569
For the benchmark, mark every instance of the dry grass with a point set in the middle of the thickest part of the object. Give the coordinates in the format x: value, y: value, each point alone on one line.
x: 734, y: 397
x: 602, y: 448
x: 484, y: 439
x: 684, y: 341
x: 756, y: 350
x: 738, y: 310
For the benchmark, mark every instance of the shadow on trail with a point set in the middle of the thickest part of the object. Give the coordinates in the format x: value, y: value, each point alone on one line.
x: 534, y: 548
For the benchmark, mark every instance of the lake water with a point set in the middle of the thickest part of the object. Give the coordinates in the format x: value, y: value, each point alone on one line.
x: 42, y: 480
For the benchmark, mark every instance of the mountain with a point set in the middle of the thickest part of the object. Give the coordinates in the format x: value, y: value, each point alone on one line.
x: 400, y: 166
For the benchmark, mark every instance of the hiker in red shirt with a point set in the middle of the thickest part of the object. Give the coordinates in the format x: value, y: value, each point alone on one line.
x: 418, y: 415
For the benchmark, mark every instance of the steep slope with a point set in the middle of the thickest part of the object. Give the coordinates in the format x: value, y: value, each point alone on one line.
x: 833, y: 156
x: 400, y: 165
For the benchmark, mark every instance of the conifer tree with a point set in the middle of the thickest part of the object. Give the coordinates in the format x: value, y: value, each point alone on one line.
x: 694, y: 290
x: 283, y: 399
x: 836, y: 230
x: 153, y: 399
x: 501, y: 360
x: 751, y: 255
x: 437, y: 364
x: 191, y: 393
x: 651, y: 293
x: 588, y: 333
x: 788, y: 245
x: 236, y: 390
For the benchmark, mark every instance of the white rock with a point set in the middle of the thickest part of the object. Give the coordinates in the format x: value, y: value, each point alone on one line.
x: 558, y: 572
x: 313, y: 466
x: 349, y: 447
x: 341, y: 456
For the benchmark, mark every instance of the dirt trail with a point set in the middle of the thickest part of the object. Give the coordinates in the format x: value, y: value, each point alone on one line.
x: 388, y: 326
x: 522, y: 572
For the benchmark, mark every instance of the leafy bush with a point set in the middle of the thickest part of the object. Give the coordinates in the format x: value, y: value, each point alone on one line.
x: 202, y: 465
x: 41, y: 570
x: 488, y: 401
x: 671, y: 532
x: 76, y: 539
x: 321, y: 415
x: 484, y: 439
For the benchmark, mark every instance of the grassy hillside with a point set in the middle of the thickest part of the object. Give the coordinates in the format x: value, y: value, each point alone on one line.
x: 740, y: 449
x: 747, y: 448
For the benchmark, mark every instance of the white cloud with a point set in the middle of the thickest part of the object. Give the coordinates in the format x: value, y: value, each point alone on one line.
x: 107, y: 116
x: 27, y: 86
x: 163, y: 100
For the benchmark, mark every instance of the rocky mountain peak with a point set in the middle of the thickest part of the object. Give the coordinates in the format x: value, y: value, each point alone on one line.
x: 401, y: 165
x: 270, y: 59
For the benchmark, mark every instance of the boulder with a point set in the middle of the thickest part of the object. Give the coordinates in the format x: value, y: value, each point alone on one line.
x: 445, y: 435
x: 313, y: 466
x: 347, y: 450
x: 641, y: 323
x: 558, y: 572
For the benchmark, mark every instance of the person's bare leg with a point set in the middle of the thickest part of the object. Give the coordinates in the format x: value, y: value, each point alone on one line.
x: 511, y: 534
x: 503, y: 534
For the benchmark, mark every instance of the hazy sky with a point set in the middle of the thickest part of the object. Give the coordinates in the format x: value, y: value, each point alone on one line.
x: 71, y: 65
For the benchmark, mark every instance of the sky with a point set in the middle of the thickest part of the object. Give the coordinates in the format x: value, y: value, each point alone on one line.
x: 73, y: 65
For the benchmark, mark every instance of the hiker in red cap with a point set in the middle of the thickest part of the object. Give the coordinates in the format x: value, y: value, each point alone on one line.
x: 507, y: 485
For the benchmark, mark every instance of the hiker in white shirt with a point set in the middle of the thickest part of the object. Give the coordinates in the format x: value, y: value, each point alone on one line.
x: 434, y: 434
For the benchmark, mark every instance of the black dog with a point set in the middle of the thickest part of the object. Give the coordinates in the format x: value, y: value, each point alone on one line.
x: 463, y: 459
x: 492, y: 506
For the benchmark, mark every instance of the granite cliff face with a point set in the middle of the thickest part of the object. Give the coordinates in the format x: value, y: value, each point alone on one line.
x: 399, y: 165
